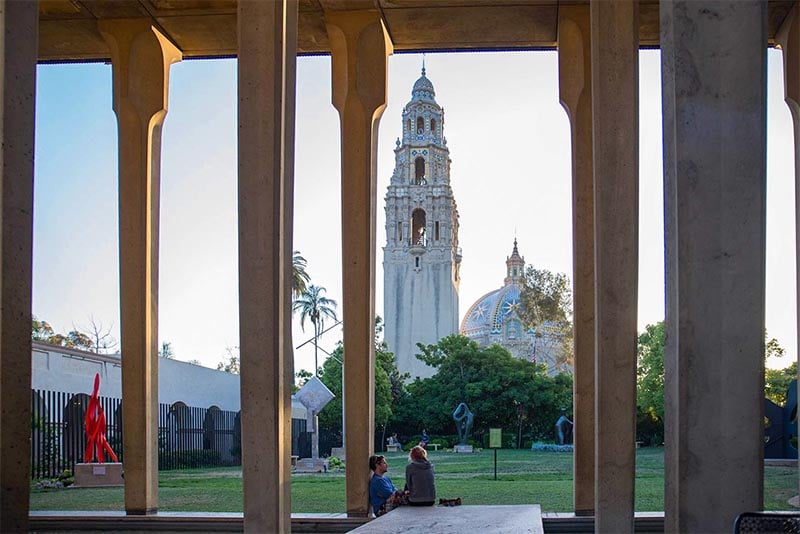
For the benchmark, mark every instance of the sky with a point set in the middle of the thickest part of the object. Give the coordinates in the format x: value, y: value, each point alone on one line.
x: 511, y: 176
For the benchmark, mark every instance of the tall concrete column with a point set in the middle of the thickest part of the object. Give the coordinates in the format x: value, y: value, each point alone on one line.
x: 267, y: 63
x: 789, y: 39
x: 19, y: 22
x: 575, y: 92
x: 360, y: 48
x: 714, y: 107
x: 615, y: 114
x: 140, y: 59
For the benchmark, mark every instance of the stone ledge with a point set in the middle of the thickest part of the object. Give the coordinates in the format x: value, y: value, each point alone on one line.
x: 47, y: 521
x: 55, y: 521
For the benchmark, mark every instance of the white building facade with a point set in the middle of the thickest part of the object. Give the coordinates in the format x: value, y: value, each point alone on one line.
x: 421, y: 258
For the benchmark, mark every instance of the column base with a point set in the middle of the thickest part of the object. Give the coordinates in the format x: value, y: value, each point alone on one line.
x: 146, y: 511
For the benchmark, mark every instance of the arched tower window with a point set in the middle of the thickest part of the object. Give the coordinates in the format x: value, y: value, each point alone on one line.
x: 420, y: 125
x: 433, y: 126
x: 399, y: 231
x: 436, y: 231
x: 419, y: 170
x: 409, y: 124
x: 418, y: 227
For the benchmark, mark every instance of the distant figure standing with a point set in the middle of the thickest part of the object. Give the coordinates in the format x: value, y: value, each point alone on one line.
x: 425, y: 439
x: 419, y: 479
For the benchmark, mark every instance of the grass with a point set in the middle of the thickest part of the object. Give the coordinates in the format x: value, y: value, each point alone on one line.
x: 522, y: 477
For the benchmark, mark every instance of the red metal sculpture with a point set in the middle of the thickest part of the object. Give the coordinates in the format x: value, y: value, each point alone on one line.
x: 96, y: 429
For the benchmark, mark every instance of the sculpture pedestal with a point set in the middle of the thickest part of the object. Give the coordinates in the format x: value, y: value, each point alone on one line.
x: 98, y: 475
x: 462, y: 448
x: 311, y: 465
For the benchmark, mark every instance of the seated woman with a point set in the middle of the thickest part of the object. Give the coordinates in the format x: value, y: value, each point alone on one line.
x: 419, y: 479
x: 383, y: 495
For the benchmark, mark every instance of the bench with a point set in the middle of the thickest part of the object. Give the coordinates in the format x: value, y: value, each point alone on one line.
x: 434, y: 445
x: 393, y: 448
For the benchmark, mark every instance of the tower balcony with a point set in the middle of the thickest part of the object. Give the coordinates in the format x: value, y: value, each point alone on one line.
x: 418, y: 245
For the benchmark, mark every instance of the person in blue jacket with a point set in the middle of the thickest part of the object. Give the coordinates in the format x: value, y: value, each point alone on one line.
x: 383, y: 495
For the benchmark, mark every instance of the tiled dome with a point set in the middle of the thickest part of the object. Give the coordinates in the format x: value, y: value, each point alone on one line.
x: 491, y: 310
x: 423, y: 89
x: 490, y: 313
x: 495, y: 319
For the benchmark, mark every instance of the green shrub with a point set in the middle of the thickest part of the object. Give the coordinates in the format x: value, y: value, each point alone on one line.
x: 335, y: 463
x: 189, y: 459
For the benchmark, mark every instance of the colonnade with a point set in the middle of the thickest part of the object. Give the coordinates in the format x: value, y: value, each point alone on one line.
x: 714, y: 120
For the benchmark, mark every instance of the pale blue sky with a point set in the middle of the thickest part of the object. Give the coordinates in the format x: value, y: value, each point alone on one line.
x: 509, y: 143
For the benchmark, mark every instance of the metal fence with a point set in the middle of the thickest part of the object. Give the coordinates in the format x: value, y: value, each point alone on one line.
x: 187, y: 436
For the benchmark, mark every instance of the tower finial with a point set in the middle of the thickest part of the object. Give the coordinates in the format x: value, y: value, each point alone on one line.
x: 423, y: 64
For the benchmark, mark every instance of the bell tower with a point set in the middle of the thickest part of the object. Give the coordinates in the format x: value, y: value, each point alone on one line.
x: 421, y: 258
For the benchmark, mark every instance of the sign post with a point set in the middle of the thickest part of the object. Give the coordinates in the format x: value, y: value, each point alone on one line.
x: 495, y: 442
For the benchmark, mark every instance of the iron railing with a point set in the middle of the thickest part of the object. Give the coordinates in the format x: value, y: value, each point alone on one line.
x: 187, y: 436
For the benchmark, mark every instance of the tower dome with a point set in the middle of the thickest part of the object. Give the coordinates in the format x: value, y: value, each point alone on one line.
x: 423, y: 89
x: 497, y: 312
x: 496, y: 318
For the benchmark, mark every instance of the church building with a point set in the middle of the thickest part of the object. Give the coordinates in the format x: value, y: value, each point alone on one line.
x: 421, y: 258
x: 495, y: 319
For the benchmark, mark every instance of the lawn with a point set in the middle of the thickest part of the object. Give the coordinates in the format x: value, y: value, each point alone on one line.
x: 522, y: 477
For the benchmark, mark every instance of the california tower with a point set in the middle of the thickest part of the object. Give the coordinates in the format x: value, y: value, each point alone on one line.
x: 421, y: 258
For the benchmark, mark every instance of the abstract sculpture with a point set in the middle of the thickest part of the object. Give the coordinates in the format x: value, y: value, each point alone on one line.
x: 463, y: 418
x: 96, y: 441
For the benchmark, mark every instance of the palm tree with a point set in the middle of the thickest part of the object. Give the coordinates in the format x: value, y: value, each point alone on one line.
x: 300, y: 277
x: 313, y: 304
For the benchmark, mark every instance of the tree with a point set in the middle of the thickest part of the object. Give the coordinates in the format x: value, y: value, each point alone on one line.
x: 777, y: 381
x: 650, y: 385
x: 491, y: 381
x: 75, y: 339
x: 546, y: 308
x: 312, y: 304
x: 231, y: 363
x: 389, y: 386
x: 300, y: 277
x: 102, y: 339
x: 650, y: 380
x: 650, y: 370
x: 41, y: 330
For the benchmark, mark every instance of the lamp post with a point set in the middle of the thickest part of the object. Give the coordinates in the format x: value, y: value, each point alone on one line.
x: 520, y: 409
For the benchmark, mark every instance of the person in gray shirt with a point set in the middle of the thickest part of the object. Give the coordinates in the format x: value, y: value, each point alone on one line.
x: 419, y: 479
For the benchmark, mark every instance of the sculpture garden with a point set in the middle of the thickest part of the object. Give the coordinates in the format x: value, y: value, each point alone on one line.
x: 523, y: 477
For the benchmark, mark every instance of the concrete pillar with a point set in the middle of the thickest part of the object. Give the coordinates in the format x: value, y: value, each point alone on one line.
x: 575, y: 92
x: 140, y: 60
x: 615, y: 115
x: 267, y: 63
x: 360, y: 48
x: 714, y: 107
x: 789, y: 40
x: 19, y: 22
